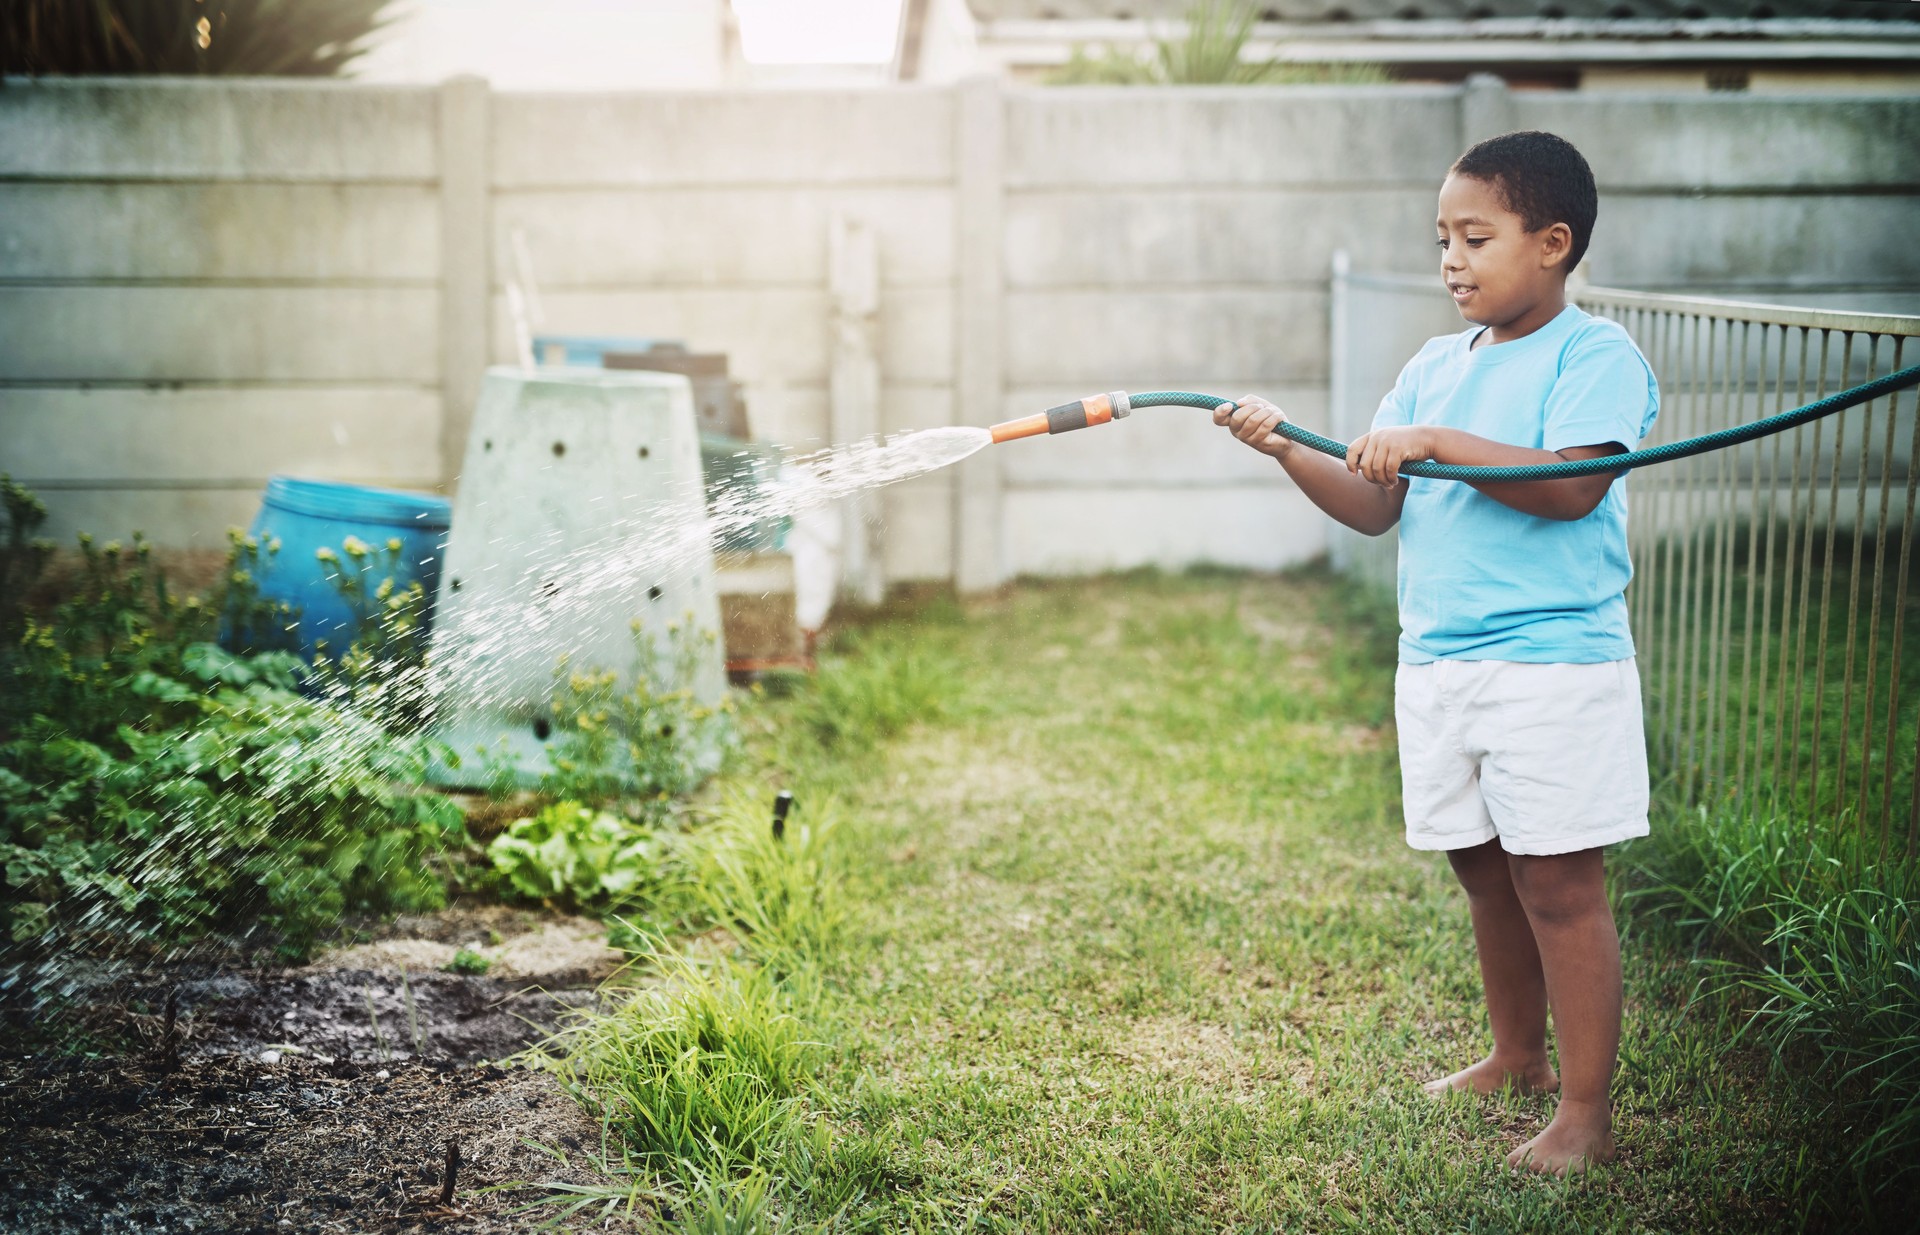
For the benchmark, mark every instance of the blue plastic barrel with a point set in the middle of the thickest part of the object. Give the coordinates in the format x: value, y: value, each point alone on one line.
x: 325, y: 528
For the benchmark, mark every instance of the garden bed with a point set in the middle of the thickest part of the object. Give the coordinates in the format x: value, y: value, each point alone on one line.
x: 319, y: 1098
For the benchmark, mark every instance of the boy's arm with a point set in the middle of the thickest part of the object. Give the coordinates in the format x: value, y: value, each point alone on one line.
x: 1367, y: 508
x: 1377, y: 456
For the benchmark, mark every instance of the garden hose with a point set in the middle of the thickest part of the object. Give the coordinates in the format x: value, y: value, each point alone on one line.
x: 1099, y: 409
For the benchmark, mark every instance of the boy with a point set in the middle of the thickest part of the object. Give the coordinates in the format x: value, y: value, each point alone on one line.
x: 1522, y: 752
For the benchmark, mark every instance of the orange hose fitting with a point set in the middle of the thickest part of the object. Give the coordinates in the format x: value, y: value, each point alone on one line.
x: 1092, y: 410
x: 1026, y: 426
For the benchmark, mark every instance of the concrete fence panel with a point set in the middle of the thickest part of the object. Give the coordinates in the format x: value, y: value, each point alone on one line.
x: 206, y: 282
x: 209, y: 129
x: 897, y: 136
x: 1121, y: 138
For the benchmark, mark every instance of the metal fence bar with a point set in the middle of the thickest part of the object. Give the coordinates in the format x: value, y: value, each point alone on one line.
x: 1899, y: 626
x: 1873, y: 621
x: 1826, y: 571
x: 1853, y: 584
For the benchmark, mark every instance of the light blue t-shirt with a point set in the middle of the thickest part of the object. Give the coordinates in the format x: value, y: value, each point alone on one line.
x: 1480, y: 580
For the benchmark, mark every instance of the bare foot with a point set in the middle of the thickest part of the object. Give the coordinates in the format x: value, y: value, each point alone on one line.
x: 1491, y: 1075
x: 1577, y: 1139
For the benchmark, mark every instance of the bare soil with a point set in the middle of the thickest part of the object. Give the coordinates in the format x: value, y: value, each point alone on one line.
x: 314, y: 1099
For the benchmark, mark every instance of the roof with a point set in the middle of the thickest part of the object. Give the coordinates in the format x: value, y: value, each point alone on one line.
x: 1326, y: 12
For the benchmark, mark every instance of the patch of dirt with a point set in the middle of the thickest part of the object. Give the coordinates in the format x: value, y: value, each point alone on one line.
x: 232, y: 1144
x: 313, y: 1099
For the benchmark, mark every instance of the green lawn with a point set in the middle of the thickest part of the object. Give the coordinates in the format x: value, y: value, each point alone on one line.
x: 1133, y: 943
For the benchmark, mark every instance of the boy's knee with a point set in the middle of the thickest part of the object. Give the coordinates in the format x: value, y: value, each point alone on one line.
x: 1562, y: 888
x: 1482, y: 870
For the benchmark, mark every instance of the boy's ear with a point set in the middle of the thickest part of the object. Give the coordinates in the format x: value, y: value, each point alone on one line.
x: 1556, y: 245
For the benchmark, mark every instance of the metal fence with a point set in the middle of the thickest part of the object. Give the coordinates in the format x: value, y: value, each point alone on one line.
x: 1775, y: 601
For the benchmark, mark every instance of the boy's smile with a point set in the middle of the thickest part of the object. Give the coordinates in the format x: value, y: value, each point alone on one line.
x: 1498, y: 273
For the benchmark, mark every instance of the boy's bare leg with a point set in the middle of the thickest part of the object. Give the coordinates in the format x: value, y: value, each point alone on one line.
x: 1566, y: 901
x: 1510, y: 972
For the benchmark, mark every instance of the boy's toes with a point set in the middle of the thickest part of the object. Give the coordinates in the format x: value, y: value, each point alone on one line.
x: 1560, y: 1151
x: 1490, y: 1076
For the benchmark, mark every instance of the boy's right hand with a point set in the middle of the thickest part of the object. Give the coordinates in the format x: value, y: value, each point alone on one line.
x: 1253, y: 420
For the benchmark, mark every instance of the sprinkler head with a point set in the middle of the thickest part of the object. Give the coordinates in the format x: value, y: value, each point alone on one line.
x: 1092, y: 410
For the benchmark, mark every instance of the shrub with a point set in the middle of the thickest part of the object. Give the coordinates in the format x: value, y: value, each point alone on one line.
x: 155, y: 788
x: 262, y: 804
x: 281, y: 37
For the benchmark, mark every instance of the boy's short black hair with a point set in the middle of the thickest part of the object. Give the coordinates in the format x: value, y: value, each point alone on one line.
x: 1541, y: 178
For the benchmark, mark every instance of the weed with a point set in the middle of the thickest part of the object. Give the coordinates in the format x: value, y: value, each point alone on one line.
x: 467, y: 961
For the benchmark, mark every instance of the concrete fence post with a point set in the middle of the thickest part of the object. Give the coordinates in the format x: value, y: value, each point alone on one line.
x: 853, y: 388
x: 466, y: 265
x: 980, y: 296
x: 1486, y: 109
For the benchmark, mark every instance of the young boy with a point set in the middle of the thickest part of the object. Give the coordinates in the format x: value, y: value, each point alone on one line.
x: 1518, y: 703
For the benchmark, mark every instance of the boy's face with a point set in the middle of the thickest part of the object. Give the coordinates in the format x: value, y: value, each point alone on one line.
x: 1495, y: 269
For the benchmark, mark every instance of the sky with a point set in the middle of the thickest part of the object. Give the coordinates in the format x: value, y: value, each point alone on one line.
x: 620, y: 44
x: 817, y: 31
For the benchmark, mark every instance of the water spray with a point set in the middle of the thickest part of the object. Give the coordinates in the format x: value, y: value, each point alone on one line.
x: 1100, y: 409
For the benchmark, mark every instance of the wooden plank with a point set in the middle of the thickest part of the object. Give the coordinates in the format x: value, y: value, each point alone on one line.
x: 772, y: 334
x: 1154, y: 446
x: 198, y: 435
x: 587, y: 238
x: 901, y: 135
x: 1084, y: 531
x: 1236, y: 237
x: 356, y: 232
x: 1734, y: 141
x: 219, y: 334
x: 146, y: 128
x: 1107, y: 341
x: 1104, y: 138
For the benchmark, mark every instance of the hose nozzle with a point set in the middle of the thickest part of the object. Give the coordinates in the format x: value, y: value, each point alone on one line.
x: 1092, y: 410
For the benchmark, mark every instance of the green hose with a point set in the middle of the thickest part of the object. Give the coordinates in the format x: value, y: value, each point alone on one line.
x: 1866, y: 393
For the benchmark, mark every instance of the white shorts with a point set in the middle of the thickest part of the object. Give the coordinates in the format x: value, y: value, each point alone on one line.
x: 1548, y: 758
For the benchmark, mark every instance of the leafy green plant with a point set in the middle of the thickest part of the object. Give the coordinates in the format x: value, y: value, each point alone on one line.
x: 262, y: 808
x: 574, y: 856
x: 467, y: 961
x: 1210, y: 52
x: 261, y: 37
x: 155, y: 788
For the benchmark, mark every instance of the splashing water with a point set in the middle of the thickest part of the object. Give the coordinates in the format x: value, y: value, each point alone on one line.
x: 658, y: 536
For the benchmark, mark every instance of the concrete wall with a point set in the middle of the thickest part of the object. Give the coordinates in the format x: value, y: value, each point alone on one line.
x: 203, y: 283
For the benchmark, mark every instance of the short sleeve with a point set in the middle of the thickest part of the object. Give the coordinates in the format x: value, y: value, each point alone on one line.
x: 1397, y: 407
x: 1606, y: 392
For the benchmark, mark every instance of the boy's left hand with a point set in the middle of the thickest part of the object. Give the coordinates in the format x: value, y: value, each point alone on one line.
x: 1377, y: 456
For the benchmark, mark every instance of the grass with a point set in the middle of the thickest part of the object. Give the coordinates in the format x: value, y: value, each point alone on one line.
x: 1113, y: 928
